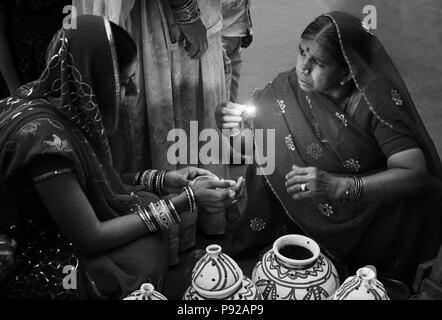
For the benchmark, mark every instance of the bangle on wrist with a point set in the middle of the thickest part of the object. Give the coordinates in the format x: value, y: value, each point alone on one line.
x: 173, y: 211
x: 145, y: 217
x: 161, y: 215
x: 182, y: 6
x: 191, y: 198
x: 187, y: 13
x: 162, y: 190
x: 153, y: 180
x: 354, y: 192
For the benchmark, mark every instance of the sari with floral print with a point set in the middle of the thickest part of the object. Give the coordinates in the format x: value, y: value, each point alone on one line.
x: 67, y: 114
x: 311, y: 131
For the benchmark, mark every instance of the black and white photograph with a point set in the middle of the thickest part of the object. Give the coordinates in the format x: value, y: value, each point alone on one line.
x: 235, y: 152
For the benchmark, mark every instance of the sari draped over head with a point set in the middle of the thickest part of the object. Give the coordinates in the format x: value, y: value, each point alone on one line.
x: 312, y: 131
x: 68, y: 112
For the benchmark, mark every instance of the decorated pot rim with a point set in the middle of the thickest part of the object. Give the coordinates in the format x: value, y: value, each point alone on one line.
x: 147, y: 289
x: 298, y: 240
x: 366, y: 273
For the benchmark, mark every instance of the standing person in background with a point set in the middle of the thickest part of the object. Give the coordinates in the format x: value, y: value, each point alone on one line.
x: 26, y: 29
x: 237, y: 33
x: 181, y: 79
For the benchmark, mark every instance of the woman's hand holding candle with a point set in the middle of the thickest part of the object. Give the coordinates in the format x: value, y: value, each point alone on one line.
x: 231, y: 115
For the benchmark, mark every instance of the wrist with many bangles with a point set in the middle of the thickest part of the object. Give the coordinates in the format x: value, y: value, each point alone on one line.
x: 354, y: 189
x: 187, y: 12
x: 153, y: 180
x: 159, y: 216
x: 162, y: 215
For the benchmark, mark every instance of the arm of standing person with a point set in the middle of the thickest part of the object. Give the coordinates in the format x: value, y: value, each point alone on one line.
x: 188, y: 16
x: 248, y: 39
x: 7, y: 66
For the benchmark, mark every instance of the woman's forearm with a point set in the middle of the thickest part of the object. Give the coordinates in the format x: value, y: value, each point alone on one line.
x: 72, y: 212
x: 401, y: 179
x: 181, y: 203
x: 387, y: 185
x: 122, y: 230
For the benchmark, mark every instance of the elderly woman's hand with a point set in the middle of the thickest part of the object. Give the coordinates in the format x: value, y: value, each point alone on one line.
x: 314, y: 183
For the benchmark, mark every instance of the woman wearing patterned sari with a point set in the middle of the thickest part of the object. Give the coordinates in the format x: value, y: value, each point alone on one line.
x: 355, y: 167
x: 61, y: 199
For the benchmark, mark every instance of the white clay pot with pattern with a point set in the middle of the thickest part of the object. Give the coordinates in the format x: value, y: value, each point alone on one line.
x: 146, y: 292
x: 247, y: 291
x: 363, y: 286
x: 295, y: 269
x: 216, y: 276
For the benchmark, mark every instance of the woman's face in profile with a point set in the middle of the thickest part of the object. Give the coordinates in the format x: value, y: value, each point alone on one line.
x: 317, y: 71
x: 128, y: 87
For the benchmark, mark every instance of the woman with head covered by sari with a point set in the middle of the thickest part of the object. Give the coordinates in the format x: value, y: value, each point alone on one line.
x: 355, y: 167
x: 61, y: 199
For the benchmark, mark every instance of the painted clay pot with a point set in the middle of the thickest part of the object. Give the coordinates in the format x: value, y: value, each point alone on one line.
x: 247, y: 291
x: 146, y: 292
x: 295, y: 269
x: 362, y: 286
x: 216, y: 276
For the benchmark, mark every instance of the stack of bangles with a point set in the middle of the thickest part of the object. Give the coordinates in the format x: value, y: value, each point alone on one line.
x: 160, y: 216
x: 153, y: 180
x: 354, y: 193
x: 191, y: 198
x: 186, y: 13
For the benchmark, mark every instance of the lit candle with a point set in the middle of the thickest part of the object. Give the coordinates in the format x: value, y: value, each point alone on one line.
x: 249, y: 112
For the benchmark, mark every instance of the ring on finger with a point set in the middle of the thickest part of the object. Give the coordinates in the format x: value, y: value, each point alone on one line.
x: 303, y: 187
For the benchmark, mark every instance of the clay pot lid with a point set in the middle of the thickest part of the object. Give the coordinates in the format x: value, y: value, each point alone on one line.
x: 365, y: 278
x: 216, y: 275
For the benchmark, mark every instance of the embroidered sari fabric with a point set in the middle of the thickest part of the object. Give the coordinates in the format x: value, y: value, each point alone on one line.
x: 311, y: 131
x: 67, y: 113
